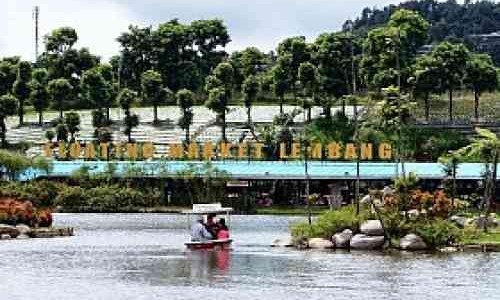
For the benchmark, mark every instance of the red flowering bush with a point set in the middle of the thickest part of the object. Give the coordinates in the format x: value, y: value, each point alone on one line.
x: 14, y: 211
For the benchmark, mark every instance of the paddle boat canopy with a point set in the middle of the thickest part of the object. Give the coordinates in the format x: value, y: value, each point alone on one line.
x: 205, y: 210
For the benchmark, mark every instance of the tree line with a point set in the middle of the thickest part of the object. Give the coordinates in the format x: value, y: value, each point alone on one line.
x: 184, y: 64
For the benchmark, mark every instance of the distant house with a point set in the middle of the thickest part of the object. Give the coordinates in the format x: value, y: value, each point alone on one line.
x: 425, y: 49
x: 487, y: 43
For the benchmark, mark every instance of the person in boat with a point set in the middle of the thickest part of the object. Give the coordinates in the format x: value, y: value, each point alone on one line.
x: 223, y: 231
x: 211, y: 226
x: 198, y: 231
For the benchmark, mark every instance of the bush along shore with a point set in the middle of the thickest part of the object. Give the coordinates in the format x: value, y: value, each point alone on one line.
x: 404, y: 219
x: 19, y: 219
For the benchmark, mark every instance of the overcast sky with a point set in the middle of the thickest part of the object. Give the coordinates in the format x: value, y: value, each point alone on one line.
x: 99, y: 22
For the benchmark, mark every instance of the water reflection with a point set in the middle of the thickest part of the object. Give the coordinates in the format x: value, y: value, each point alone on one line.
x: 143, y: 257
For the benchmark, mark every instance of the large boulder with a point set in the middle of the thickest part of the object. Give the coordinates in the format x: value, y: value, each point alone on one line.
x: 23, y: 229
x: 459, y: 221
x: 10, y: 230
x: 372, y: 227
x: 412, y: 242
x: 342, y: 239
x: 282, y: 243
x: 366, y: 242
x: 319, y: 243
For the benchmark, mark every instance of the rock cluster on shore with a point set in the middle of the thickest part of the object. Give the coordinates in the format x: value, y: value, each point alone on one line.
x: 22, y: 231
x: 370, y: 237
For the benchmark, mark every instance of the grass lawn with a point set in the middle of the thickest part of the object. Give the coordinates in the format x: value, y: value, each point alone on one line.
x: 492, y: 237
x: 289, y: 210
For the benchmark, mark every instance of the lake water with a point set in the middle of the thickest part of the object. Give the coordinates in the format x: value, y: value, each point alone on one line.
x: 142, y: 256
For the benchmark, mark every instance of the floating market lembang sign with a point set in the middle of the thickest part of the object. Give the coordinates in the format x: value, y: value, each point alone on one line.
x: 212, y: 151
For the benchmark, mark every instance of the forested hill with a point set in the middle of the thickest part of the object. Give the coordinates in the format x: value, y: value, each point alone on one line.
x: 448, y: 19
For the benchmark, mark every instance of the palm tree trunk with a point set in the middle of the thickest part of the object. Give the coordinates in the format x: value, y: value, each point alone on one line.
x: 155, y: 112
x: 249, y: 116
x: 223, y: 126
x: 21, y: 113
x: 60, y: 113
x: 476, y: 105
x: 281, y: 104
x: 107, y: 114
x: 40, y: 117
x: 2, y: 123
x: 450, y: 110
x: 427, y: 108
x: 309, y: 115
x: 493, y: 182
x: 187, y: 134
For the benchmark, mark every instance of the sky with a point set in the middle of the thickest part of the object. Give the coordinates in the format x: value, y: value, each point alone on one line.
x: 261, y: 23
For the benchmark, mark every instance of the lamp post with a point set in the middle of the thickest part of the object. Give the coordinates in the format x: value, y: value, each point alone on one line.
x: 305, y: 142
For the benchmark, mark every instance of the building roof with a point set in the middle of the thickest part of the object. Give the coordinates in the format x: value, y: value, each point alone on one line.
x: 264, y: 169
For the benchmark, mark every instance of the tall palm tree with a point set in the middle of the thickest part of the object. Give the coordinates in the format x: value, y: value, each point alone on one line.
x: 486, y: 148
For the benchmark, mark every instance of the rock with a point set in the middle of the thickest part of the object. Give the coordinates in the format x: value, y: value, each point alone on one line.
x: 23, y: 236
x: 5, y: 236
x: 483, y: 221
x: 342, y: 239
x: 23, y: 229
x: 10, y: 230
x: 412, y: 242
x: 413, y: 213
x: 459, y: 221
x: 50, y: 232
x: 282, y: 243
x: 319, y: 243
x: 372, y: 227
x: 366, y: 242
x: 448, y: 249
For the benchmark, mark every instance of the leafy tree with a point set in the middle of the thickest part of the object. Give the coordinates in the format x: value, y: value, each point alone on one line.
x: 49, y: 135
x: 97, y: 90
x: 309, y: 81
x: 390, y: 50
x: 61, y: 131
x: 485, y: 147
x: 220, y: 88
x: 39, y: 97
x: 452, y: 59
x: 8, y: 73
x: 291, y: 53
x: 8, y: 106
x: 250, y: 89
x: 281, y: 84
x: 126, y: 98
x: 333, y: 55
x: 152, y: 90
x: 185, y: 100
x: 250, y: 61
x: 60, y: 40
x: 209, y: 36
x: 481, y: 76
x: 59, y: 89
x: 72, y: 122
x: 426, y: 80
x: 21, y: 87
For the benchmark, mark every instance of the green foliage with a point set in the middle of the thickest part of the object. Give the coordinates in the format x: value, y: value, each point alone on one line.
x: 72, y: 122
x: 21, y: 88
x: 59, y: 90
x: 329, y: 223
x: 185, y: 100
x: 152, y: 90
x: 13, y: 163
x: 438, y: 233
x: 8, y: 106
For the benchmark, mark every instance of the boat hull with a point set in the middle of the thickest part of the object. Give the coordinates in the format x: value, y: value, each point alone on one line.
x: 212, y: 244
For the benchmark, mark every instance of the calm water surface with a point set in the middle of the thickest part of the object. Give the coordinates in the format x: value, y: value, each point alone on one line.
x: 142, y: 256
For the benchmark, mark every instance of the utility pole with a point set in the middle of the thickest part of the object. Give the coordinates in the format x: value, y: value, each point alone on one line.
x: 36, y: 15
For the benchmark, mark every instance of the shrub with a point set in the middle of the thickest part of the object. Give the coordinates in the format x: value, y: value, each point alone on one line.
x: 330, y: 223
x: 71, y: 198
x: 438, y: 232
